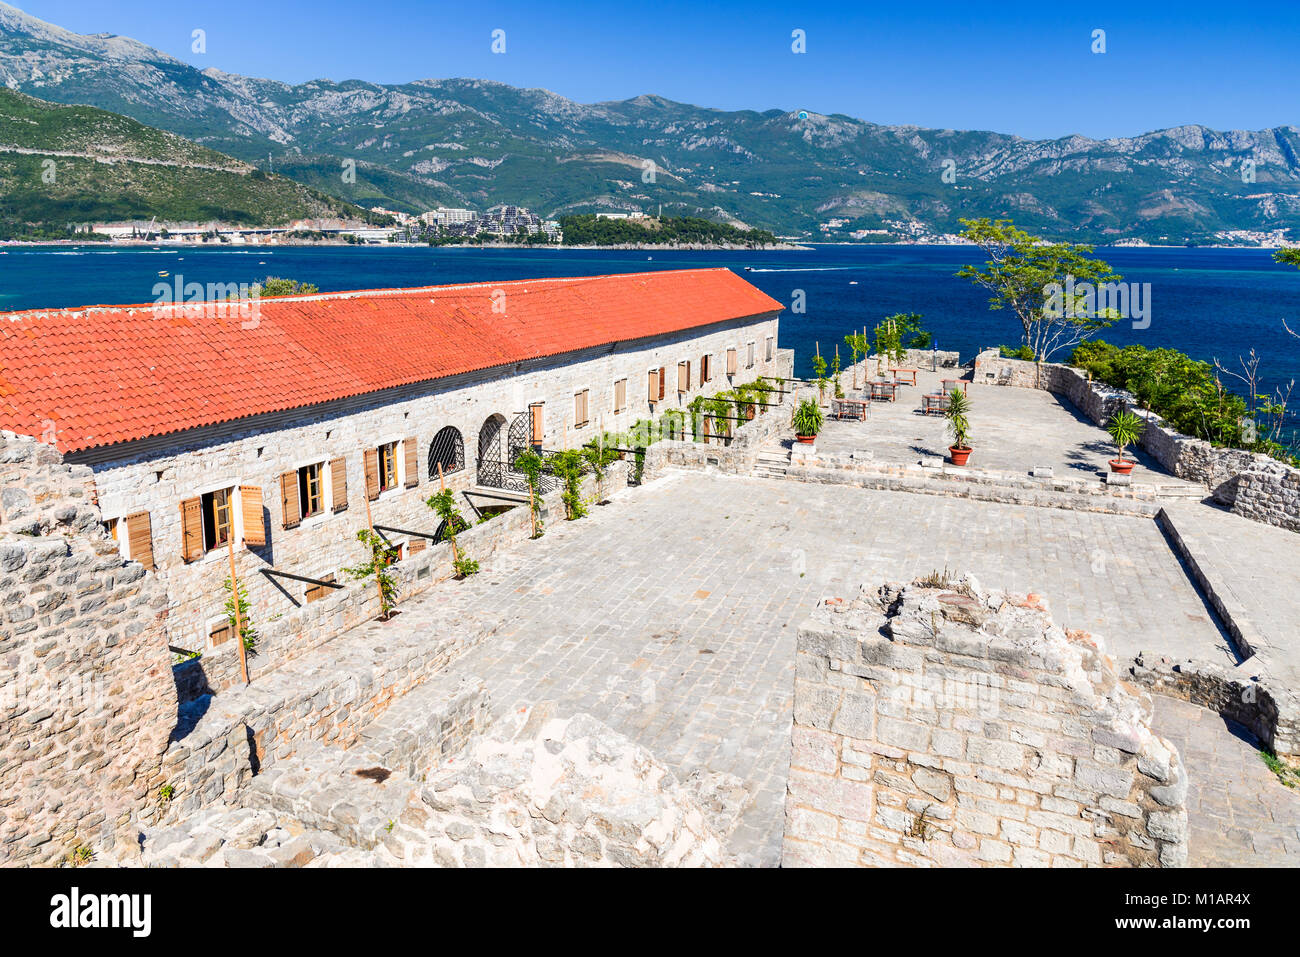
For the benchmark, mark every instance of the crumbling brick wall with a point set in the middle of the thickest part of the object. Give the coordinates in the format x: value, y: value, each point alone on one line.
x: 87, y: 701
x: 938, y: 725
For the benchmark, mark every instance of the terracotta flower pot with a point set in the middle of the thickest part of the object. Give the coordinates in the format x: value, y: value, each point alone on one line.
x: 959, y: 456
x: 1121, y: 466
x: 806, y: 439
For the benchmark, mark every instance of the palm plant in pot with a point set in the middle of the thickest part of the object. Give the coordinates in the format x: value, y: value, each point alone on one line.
x: 807, y: 422
x: 1125, y: 429
x: 958, y: 422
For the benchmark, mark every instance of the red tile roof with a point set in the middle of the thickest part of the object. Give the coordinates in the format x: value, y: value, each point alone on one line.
x: 99, y: 375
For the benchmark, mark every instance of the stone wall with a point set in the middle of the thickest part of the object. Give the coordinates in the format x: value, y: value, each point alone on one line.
x: 734, y: 457
x: 86, y: 695
x: 1253, y: 485
x: 286, y: 635
x: 935, y: 724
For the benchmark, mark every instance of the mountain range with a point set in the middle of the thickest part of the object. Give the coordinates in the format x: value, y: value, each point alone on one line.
x: 476, y: 143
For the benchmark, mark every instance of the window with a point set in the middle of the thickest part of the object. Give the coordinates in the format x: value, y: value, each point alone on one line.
x: 580, y: 408
x: 732, y: 361
x: 339, y: 484
x: 706, y: 369
x: 208, y: 523
x: 446, y: 452
x: 767, y: 356
x: 663, y: 381
x: 110, y: 526
x: 217, y: 510
x: 319, y: 591
x: 620, y: 396
x: 749, y: 356
x: 652, y: 394
x: 220, y: 633
x: 311, y: 489
x: 684, y: 376
x: 387, y: 466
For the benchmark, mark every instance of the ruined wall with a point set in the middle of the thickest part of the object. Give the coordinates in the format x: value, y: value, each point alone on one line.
x: 87, y: 700
x: 938, y: 725
x: 1253, y: 485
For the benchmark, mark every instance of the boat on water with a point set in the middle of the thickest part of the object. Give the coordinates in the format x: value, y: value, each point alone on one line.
x: 163, y: 274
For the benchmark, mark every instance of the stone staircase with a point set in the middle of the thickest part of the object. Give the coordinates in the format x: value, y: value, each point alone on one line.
x: 773, y: 462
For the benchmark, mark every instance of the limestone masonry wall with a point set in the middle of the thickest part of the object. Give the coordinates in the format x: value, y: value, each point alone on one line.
x: 935, y: 724
x: 86, y: 695
x: 1251, y: 484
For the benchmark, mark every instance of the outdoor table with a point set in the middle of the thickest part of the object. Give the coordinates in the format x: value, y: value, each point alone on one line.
x: 935, y: 404
x: 849, y: 409
x: 881, y: 389
x: 950, y: 384
x: 899, y: 375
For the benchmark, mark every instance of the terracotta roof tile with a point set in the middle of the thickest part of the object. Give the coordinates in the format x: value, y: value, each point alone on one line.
x: 99, y: 375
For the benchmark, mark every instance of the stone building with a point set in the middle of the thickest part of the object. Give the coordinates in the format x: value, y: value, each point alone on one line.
x: 284, y: 426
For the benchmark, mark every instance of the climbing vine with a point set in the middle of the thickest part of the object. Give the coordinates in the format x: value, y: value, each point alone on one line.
x: 382, y: 555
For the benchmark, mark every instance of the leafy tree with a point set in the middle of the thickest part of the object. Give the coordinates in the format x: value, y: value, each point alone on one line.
x: 275, y: 286
x: 382, y: 555
x: 1029, y: 276
x: 453, y: 523
x: 247, y: 633
x: 1290, y: 256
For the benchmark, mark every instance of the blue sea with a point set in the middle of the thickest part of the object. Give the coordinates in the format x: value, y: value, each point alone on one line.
x: 1210, y: 303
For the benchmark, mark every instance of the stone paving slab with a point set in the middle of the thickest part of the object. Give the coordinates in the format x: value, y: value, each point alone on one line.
x: 1012, y: 430
x: 671, y: 614
x: 1240, y: 814
x: 1251, y: 573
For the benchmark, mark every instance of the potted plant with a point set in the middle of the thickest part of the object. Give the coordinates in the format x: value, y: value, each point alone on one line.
x: 958, y: 420
x: 1125, y: 429
x: 807, y: 422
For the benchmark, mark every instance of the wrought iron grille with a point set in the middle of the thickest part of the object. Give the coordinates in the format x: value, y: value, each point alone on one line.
x: 448, y: 450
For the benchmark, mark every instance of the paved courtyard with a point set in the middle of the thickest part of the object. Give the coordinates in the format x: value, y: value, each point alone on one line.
x: 1012, y: 430
x: 671, y: 614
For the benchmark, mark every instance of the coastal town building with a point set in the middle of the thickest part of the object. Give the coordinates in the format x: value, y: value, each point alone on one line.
x: 283, y: 426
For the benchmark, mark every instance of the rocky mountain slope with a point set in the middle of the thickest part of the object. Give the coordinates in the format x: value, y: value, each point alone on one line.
x: 477, y: 143
x: 76, y: 164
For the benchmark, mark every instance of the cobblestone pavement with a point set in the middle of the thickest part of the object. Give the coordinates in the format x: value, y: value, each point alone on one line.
x: 1240, y: 814
x: 1012, y: 430
x: 671, y: 614
x: 1256, y: 569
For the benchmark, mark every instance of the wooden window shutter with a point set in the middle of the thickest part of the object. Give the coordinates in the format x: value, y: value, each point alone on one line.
x: 221, y: 634
x: 586, y: 410
x: 654, y: 386
x: 371, y: 459
x: 192, y: 529
x: 139, y: 537
x: 750, y: 356
x: 289, y: 507
x: 411, y: 448
x: 339, y: 484
x: 704, y: 369
x: 250, y: 507
x: 577, y: 408
x: 732, y: 362
x: 620, y: 395
x: 663, y: 381
x: 683, y: 377
x: 416, y: 546
x: 535, y: 418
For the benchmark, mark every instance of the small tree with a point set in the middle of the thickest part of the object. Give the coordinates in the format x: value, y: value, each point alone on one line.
x: 1032, y: 278
x: 382, y: 555
x: 453, y: 523
x: 1125, y: 429
x: 958, y: 419
x: 598, y: 453
x: 530, y: 464
x: 247, y: 633
x: 568, y: 466
x: 276, y: 286
x: 835, y: 374
x: 819, y: 372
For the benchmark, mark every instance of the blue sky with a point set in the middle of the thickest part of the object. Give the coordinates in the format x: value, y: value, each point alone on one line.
x: 1024, y: 68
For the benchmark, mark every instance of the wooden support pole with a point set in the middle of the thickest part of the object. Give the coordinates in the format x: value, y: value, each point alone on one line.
x: 239, y: 618
x: 379, y: 581
x: 451, y: 531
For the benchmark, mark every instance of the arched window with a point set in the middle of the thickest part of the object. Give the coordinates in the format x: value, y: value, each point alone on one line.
x: 448, y: 450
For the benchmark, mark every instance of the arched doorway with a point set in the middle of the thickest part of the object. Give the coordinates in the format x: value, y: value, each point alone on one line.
x: 492, y: 452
